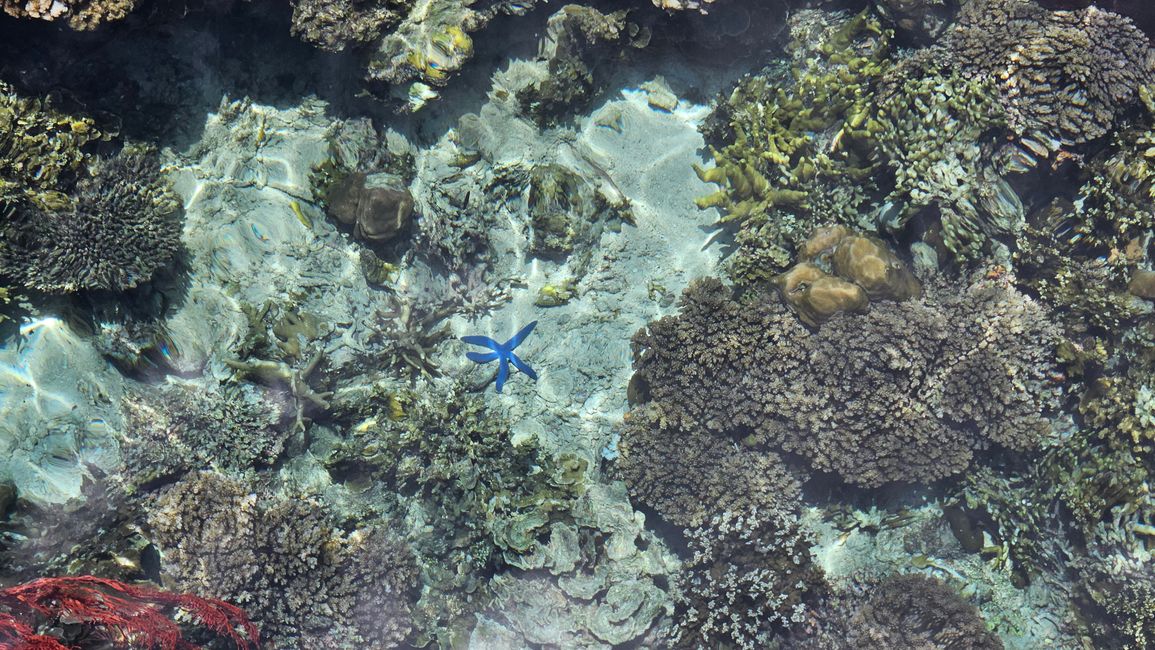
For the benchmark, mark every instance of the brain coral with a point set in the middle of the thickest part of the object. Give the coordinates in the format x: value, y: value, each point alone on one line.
x: 1066, y: 73
x: 122, y: 226
x: 906, y: 392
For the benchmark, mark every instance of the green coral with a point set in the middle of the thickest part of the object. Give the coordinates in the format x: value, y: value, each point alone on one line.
x: 40, y: 147
x: 935, y: 126
x: 787, y: 140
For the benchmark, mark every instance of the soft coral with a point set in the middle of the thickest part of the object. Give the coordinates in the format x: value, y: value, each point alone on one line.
x: 126, y: 615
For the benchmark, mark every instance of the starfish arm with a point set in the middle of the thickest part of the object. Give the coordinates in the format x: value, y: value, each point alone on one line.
x: 522, y: 366
x: 484, y: 341
x: 516, y: 339
x: 502, y: 373
x: 482, y: 357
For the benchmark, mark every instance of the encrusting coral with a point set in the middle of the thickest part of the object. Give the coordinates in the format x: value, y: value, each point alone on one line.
x: 122, y: 223
x: 308, y: 582
x: 906, y: 392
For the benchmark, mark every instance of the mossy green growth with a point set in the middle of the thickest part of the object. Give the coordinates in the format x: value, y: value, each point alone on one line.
x: 39, y: 147
x: 787, y: 136
x: 934, y: 126
x: 483, y: 496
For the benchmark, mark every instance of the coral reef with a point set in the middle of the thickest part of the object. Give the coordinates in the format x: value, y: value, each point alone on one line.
x: 578, y: 40
x: 308, y: 582
x: 122, y: 225
x: 80, y: 14
x: 748, y: 577
x: 787, y: 140
x: 177, y: 427
x: 903, y: 611
x: 906, y: 392
x: 689, y: 478
x: 1061, y: 76
x: 482, y: 500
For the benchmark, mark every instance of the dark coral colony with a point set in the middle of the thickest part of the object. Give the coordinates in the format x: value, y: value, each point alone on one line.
x: 841, y: 313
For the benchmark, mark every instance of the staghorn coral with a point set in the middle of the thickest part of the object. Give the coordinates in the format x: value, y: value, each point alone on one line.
x: 124, y: 224
x: 307, y: 582
x: 906, y: 392
x: 749, y: 576
x: 904, y: 611
x: 177, y: 427
x: 689, y: 478
x: 1062, y: 76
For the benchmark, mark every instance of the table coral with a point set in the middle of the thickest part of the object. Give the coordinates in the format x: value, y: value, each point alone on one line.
x: 906, y: 392
x: 1067, y: 74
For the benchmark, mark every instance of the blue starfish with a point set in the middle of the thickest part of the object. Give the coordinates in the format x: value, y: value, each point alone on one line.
x: 502, y: 353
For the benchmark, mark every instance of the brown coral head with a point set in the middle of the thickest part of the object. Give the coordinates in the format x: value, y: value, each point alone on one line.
x: 815, y: 296
x: 378, y: 211
x: 823, y: 240
x: 870, y: 264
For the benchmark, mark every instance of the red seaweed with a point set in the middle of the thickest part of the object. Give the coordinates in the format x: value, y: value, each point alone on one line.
x: 127, y: 615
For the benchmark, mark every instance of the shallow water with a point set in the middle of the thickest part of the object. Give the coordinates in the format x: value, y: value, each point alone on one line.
x: 843, y: 325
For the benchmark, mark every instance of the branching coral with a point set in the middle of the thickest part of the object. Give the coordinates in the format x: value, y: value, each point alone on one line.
x: 1062, y: 76
x: 177, y: 427
x: 786, y: 140
x: 749, y: 576
x: 307, y: 582
x: 936, y: 134
x: 123, y: 224
x: 689, y: 478
x: 905, y: 611
x: 80, y: 14
x: 484, y: 501
x: 334, y: 25
x: 906, y: 392
x: 40, y: 147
